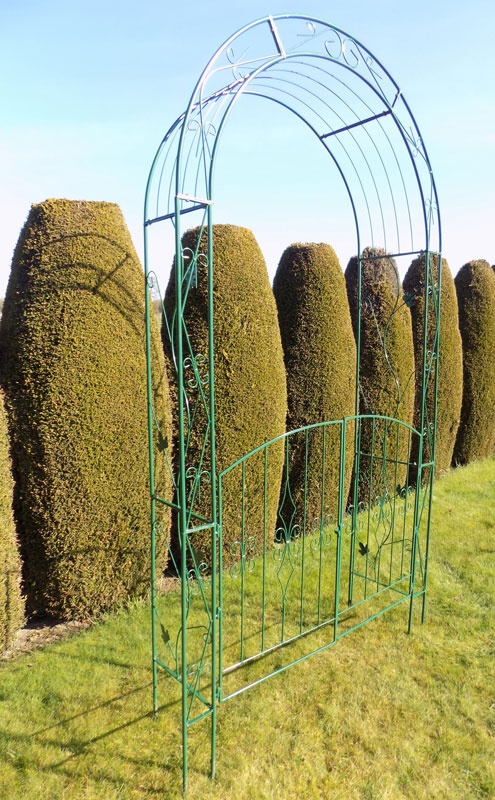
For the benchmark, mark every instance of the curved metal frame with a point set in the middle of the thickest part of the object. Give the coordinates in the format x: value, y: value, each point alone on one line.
x: 347, y: 99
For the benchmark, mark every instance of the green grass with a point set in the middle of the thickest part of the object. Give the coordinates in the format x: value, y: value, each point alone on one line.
x: 381, y: 715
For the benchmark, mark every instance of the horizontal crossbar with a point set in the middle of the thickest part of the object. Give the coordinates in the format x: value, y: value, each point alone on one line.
x: 356, y: 124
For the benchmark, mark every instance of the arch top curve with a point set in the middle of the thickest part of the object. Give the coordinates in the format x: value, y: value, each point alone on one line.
x: 343, y: 95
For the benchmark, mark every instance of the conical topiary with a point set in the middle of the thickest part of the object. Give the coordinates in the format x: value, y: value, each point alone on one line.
x: 74, y: 372
x: 386, y: 373
x: 475, y: 286
x: 450, y: 362
x: 250, y: 389
x: 11, y: 603
x: 320, y: 360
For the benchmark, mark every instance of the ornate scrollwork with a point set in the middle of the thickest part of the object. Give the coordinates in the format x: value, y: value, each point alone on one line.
x: 198, y: 578
x: 152, y: 280
x: 194, y: 475
x: 289, y: 538
x: 196, y: 670
x: 349, y: 518
x: 289, y: 547
x: 321, y: 534
x: 383, y: 510
x: 237, y: 62
x: 196, y: 363
x: 193, y: 260
x: 416, y: 143
x: 246, y: 562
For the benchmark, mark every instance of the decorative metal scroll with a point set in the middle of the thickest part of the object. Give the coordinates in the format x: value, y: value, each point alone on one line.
x: 325, y: 572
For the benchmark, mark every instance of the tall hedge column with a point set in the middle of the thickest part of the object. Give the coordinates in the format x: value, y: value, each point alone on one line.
x: 11, y: 603
x: 386, y: 372
x: 450, y: 363
x: 250, y: 390
x: 475, y: 285
x: 320, y: 359
x: 73, y: 368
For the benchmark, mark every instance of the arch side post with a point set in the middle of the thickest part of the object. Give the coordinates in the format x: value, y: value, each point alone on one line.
x: 213, y: 482
x: 151, y: 474
x: 435, y: 410
x: 417, y: 515
x: 357, y: 434
x: 182, y: 489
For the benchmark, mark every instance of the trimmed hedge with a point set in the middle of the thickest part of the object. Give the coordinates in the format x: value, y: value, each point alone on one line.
x: 73, y: 367
x: 475, y: 286
x: 11, y: 602
x: 320, y: 360
x: 386, y: 372
x: 250, y: 388
x: 450, y: 363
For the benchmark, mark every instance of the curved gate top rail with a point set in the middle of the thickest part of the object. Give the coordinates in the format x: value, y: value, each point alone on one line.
x: 371, y: 549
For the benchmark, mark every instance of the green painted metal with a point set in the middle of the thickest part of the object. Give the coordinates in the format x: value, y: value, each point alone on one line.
x: 356, y: 559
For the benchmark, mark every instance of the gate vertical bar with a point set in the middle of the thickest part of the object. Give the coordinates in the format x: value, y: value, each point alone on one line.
x: 340, y: 520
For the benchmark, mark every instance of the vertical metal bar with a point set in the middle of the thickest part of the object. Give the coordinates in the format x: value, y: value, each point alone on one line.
x: 182, y: 516
x: 214, y: 615
x: 357, y: 431
x: 436, y: 351
x: 355, y: 504
x: 263, y: 595
x: 421, y: 441
x: 304, y: 530
x: 220, y: 591
x: 243, y: 544
x: 397, y: 456
x: 384, y: 472
x: 322, y: 517
x: 213, y: 483
x: 151, y: 473
x: 372, y: 461
x: 338, y: 530
x: 406, y: 493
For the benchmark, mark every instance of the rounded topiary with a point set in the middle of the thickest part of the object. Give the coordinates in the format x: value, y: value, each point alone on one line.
x: 475, y: 286
x: 320, y: 360
x: 450, y: 362
x: 386, y: 373
x: 73, y: 368
x: 250, y: 388
x: 11, y: 603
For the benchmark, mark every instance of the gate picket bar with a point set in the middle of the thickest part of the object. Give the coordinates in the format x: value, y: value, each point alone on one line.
x: 252, y: 603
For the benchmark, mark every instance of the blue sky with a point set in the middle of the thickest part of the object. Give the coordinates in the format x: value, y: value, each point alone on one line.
x: 89, y: 88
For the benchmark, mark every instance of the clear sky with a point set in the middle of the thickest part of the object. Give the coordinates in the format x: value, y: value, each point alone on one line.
x: 90, y: 87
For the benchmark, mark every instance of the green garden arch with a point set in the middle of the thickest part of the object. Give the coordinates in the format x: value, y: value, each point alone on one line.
x: 375, y: 552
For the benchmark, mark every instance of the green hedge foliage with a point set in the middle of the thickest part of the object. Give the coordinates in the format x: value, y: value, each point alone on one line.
x: 11, y: 602
x: 250, y: 387
x: 74, y: 372
x: 475, y: 285
x: 386, y: 372
x: 320, y: 360
x: 450, y: 363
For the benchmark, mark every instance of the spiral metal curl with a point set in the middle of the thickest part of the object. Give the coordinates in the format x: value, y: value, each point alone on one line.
x: 321, y: 535
x: 247, y: 561
x: 196, y: 363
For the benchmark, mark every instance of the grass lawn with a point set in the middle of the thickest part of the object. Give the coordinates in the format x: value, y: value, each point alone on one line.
x: 381, y: 715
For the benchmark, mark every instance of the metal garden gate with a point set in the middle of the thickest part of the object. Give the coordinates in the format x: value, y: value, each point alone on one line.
x: 333, y: 572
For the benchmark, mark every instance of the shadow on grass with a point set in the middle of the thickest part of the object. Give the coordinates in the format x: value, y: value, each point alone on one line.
x: 77, y: 746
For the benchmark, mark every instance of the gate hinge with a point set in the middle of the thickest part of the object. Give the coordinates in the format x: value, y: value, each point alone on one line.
x: 218, y: 612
